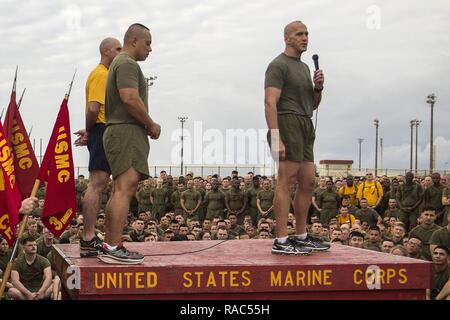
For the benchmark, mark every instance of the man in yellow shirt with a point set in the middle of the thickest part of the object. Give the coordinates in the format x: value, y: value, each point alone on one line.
x: 349, y: 189
x: 370, y: 190
x: 344, y: 217
x: 92, y: 136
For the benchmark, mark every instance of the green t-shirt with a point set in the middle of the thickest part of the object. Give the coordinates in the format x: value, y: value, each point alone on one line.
x: 191, y: 198
x: 396, y: 213
x: 80, y: 188
x: 409, y: 195
x: 42, y: 249
x: 160, y: 196
x: 237, y: 231
x: 123, y: 73
x: 252, y: 193
x: 144, y: 196
x: 31, y: 276
x: 137, y: 237
x: 425, y: 234
x: 236, y: 199
x: 432, y: 196
x: 441, y: 237
x: 266, y: 199
x: 4, y: 259
x: 369, y: 215
x: 293, y: 78
x: 215, y: 201
x: 175, y: 198
x: 440, y: 279
x: 446, y: 193
x: 328, y: 200
x: 317, y: 192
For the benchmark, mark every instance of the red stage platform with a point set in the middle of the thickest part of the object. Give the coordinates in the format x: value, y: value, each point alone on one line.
x: 242, y: 269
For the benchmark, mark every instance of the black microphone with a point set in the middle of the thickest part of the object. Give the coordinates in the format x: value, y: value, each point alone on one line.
x: 316, y: 61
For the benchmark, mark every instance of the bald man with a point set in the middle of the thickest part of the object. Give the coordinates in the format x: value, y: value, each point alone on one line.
x: 92, y: 136
x: 290, y: 99
x: 126, y: 136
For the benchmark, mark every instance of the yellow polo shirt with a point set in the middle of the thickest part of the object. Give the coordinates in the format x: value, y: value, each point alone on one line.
x: 96, y: 90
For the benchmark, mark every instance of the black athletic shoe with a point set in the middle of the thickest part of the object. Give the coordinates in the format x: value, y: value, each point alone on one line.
x: 95, y: 244
x: 310, y: 243
x: 289, y: 248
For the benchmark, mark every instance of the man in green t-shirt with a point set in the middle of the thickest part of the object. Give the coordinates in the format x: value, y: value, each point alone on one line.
x: 425, y: 230
x: 126, y: 136
x: 290, y: 98
x: 446, y: 204
x: 409, y: 197
x: 264, y: 201
x: 190, y: 201
x: 236, y: 201
x: 432, y: 196
x: 159, y: 198
x: 328, y: 203
x: 215, y: 201
x: 441, y: 284
x: 441, y: 237
x: 5, y: 254
x: 143, y: 196
x: 31, y: 274
x: 252, y: 193
x: 175, y: 199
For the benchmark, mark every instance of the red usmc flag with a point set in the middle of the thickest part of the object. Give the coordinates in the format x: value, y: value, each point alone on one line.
x: 25, y: 163
x: 57, y: 169
x: 10, y: 200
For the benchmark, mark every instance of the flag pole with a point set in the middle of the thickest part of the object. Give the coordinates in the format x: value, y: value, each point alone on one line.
x: 1, y: 115
x: 21, y: 97
x: 70, y: 86
x: 23, y: 223
x: 15, y: 80
x: 29, y: 133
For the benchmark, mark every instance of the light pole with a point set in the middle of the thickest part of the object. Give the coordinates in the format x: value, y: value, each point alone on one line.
x: 360, y: 141
x: 417, y: 123
x: 412, y: 123
x: 381, y: 153
x: 182, y: 120
x: 376, y: 122
x: 431, y: 99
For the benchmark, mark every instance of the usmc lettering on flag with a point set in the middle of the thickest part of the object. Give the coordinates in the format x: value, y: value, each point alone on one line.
x: 57, y: 169
x: 9, y: 193
x: 62, y: 157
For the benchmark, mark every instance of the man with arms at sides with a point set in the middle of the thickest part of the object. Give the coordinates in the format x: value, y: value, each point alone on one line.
x: 349, y: 189
x: 409, y: 197
x: 371, y: 190
x: 92, y: 136
x: 264, y: 201
x: 215, y: 201
x: 290, y: 99
x: 126, y: 136
x: 432, y: 196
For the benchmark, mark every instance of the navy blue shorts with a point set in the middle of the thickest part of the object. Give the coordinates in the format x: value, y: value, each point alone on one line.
x: 97, y: 156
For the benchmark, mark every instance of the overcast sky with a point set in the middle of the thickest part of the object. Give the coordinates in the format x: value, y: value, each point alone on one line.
x: 380, y: 59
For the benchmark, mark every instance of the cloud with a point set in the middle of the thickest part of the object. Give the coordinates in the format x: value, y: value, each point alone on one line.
x: 210, y: 59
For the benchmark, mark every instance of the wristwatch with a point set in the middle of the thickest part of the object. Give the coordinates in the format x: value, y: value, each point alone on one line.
x: 318, y: 89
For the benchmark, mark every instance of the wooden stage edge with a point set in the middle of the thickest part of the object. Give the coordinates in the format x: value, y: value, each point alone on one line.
x: 242, y: 269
